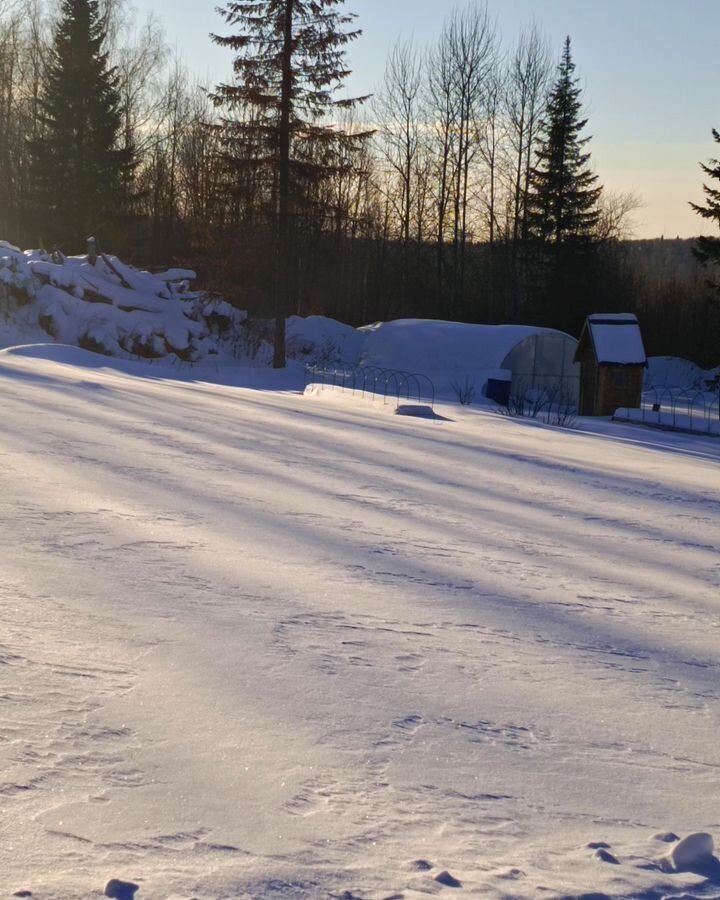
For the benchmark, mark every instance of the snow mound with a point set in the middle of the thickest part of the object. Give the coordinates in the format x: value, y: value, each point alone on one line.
x: 693, y: 850
x: 111, y: 308
x: 675, y: 372
x: 59, y: 353
x: 318, y: 340
x: 423, y: 345
x: 458, y: 357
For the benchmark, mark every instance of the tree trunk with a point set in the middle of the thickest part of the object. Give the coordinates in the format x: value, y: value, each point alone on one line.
x: 284, y: 238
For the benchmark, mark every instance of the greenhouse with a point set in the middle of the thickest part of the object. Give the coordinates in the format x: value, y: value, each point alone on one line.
x: 454, y: 354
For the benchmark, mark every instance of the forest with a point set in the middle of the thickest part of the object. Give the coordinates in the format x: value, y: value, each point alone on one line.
x: 462, y: 189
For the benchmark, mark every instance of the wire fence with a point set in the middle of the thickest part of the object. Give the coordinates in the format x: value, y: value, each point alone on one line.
x: 371, y: 381
x: 679, y: 408
x: 533, y: 385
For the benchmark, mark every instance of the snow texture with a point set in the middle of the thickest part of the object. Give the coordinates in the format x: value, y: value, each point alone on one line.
x: 260, y: 644
x: 322, y: 341
x: 450, y: 353
x: 693, y: 850
x: 110, y: 308
x: 424, y: 345
x: 617, y: 339
x: 675, y: 372
x: 693, y: 413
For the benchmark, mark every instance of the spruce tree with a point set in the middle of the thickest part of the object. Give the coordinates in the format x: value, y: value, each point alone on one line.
x: 80, y: 177
x: 289, y: 64
x: 707, y: 248
x: 563, y: 210
x: 564, y: 191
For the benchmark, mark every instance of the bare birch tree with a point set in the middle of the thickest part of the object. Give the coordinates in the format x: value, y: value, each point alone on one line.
x: 396, y: 108
x: 527, y: 84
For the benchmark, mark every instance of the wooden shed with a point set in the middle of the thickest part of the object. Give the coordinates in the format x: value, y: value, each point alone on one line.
x: 612, y: 363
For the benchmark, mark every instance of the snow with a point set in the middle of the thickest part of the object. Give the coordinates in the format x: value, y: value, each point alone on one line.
x: 617, y: 339
x: 695, y: 412
x: 112, y: 308
x: 694, y: 849
x: 422, y: 345
x: 675, y: 372
x: 261, y: 644
x: 449, y: 353
x: 323, y: 341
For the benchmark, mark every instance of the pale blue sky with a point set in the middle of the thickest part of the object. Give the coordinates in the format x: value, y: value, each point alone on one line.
x: 650, y: 69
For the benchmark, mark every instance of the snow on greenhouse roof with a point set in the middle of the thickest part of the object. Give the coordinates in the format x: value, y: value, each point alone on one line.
x: 616, y: 339
x: 424, y: 345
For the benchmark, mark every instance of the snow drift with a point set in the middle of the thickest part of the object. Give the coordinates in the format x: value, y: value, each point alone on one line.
x: 261, y: 645
x: 111, y: 308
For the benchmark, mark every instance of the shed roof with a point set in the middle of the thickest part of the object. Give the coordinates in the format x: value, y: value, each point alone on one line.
x: 615, y: 338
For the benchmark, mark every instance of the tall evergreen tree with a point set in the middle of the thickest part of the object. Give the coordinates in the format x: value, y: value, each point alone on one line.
x: 289, y: 64
x: 707, y: 248
x: 80, y: 176
x: 564, y: 190
x: 563, y: 209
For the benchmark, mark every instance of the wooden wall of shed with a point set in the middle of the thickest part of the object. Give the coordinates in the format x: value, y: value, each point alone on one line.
x: 619, y: 386
x: 588, y: 383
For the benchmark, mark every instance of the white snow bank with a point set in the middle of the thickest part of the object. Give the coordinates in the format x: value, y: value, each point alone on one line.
x: 110, y: 308
x: 323, y: 341
x: 675, y: 372
x: 421, y: 345
x: 458, y: 357
x: 60, y: 353
x: 693, y: 850
x: 676, y: 414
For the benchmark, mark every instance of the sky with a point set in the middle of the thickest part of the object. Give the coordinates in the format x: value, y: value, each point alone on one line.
x: 649, y: 70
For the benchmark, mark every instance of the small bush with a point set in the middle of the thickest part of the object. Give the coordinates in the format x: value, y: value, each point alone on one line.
x: 551, y: 405
x: 464, y: 392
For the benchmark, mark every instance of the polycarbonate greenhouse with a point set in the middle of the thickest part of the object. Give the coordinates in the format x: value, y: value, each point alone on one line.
x: 451, y: 352
x: 545, y: 361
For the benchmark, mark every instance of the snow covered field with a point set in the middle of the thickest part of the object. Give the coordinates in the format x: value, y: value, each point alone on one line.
x: 255, y: 644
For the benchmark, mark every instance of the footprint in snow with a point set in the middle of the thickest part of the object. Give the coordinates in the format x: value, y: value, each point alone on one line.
x: 667, y: 837
x: 421, y: 865
x: 120, y: 890
x: 447, y: 879
x: 605, y: 856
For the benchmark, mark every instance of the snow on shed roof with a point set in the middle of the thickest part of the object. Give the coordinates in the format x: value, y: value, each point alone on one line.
x: 426, y: 345
x: 616, y: 339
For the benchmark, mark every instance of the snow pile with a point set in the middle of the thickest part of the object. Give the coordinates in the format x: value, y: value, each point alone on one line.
x: 675, y: 372
x: 116, y: 310
x: 320, y: 341
x: 454, y: 355
x: 111, y: 308
x: 424, y: 345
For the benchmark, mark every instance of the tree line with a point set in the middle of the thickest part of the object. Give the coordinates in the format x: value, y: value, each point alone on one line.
x: 463, y: 189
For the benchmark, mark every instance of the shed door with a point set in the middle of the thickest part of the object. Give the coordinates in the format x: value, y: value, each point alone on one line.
x: 589, y: 387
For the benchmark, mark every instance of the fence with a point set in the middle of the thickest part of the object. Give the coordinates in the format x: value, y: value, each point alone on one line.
x: 553, y: 402
x: 374, y: 382
x: 678, y: 408
x: 533, y: 385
